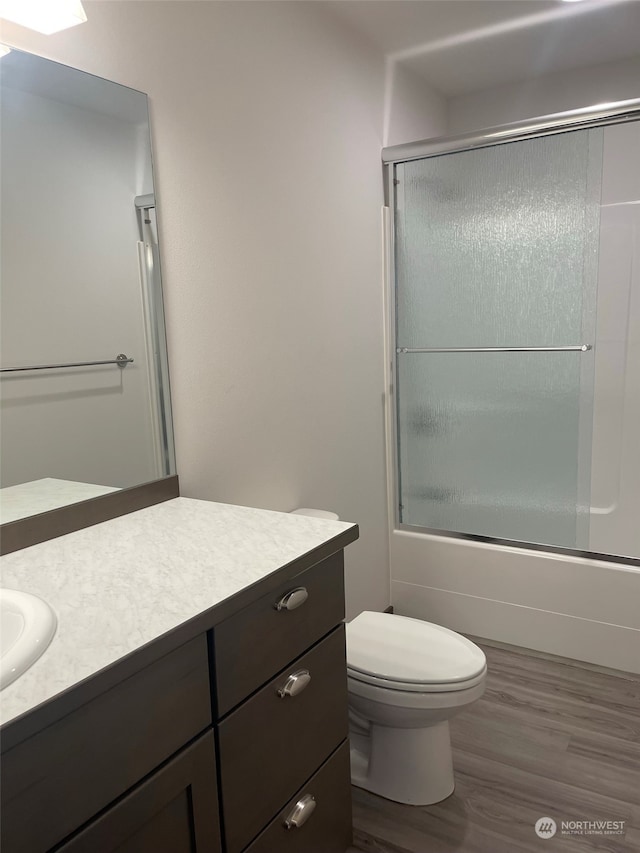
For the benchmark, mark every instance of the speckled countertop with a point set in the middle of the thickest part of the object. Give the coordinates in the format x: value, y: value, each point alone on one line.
x: 121, y: 584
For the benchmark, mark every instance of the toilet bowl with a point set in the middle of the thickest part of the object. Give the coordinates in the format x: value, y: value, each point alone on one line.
x: 406, y: 679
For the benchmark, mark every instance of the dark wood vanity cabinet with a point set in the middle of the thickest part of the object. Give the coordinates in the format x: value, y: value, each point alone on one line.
x: 232, y: 741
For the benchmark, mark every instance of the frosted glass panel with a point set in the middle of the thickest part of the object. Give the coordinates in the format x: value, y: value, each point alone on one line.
x: 498, y: 247
x: 492, y: 244
x: 489, y: 444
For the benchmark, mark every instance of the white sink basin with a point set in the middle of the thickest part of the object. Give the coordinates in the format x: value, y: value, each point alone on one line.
x: 27, y: 626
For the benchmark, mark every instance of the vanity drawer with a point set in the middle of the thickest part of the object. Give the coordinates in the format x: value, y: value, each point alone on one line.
x: 259, y: 640
x: 64, y: 775
x: 271, y: 745
x: 328, y: 828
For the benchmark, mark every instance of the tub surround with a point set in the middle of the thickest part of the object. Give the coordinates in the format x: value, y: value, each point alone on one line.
x: 574, y: 607
x: 174, y: 658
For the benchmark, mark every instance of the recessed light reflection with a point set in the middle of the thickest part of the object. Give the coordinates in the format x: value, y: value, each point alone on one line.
x: 43, y: 16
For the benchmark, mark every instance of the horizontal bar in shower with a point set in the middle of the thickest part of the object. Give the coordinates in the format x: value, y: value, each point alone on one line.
x: 614, y: 113
x: 578, y: 348
x: 121, y: 360
x: 516, y: 543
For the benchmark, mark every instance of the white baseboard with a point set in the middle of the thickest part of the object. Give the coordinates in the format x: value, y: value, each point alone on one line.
x: 573, y: 637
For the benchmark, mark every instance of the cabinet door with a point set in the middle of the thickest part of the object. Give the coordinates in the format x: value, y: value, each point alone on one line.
x: 174, y: 811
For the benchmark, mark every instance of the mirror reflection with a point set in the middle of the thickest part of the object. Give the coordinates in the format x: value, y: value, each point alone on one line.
x: 85, y: 395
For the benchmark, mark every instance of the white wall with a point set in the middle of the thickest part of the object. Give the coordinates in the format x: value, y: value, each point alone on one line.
x: 267, y: 120
x: 71, y: 292
x: 413, y: 109
x: 546, y: 94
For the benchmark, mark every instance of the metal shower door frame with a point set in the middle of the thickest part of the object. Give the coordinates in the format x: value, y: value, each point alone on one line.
x: 584, y: 119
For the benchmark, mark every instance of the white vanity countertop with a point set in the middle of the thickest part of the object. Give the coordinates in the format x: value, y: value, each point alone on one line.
x: 27, y: 499
x: 121, y: 584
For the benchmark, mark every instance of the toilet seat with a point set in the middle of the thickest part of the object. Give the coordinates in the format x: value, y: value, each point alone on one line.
x: 414, y: 687
x: 408, y: 655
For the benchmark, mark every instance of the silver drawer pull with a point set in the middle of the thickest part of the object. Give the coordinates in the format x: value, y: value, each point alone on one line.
x: 292, y: 599
x: 301, y: 812
x: 295, y: 684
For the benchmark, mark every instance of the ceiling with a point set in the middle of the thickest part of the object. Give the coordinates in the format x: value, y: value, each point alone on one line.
x: 463, y: 46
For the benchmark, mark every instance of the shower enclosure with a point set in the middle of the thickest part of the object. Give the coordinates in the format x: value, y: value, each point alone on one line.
x: 516, y: 330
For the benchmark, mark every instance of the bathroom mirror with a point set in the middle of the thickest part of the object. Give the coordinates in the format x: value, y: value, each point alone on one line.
x: 84, y: 383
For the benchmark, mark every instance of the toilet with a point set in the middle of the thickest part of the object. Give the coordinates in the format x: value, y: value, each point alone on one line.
x: 406, y: 679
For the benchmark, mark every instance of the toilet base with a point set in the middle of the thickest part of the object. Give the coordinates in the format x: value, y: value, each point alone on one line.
x: 412, y: 766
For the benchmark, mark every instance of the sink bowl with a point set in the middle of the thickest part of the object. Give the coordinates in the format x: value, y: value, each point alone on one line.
x: 27, y: 626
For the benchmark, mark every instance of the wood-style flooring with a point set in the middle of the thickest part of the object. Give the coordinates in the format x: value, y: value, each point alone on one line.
x: 550, y: 738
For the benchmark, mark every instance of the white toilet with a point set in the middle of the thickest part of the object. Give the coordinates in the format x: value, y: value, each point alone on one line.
x: 406, y: 679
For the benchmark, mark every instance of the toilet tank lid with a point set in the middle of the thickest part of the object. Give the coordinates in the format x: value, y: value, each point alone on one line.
x: 315, y: 513
x: 399, y: 648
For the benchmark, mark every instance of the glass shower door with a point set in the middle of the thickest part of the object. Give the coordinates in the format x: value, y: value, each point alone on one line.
x: 496, y: 275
